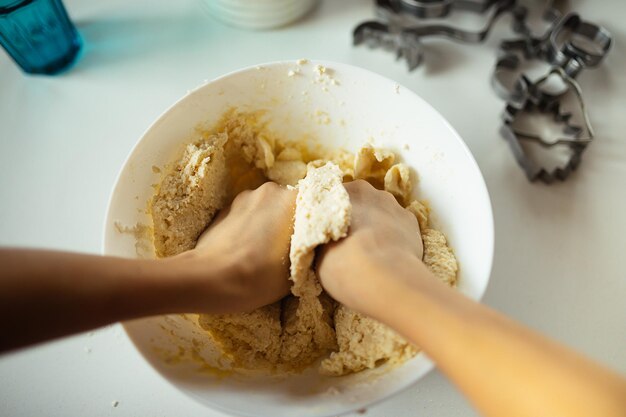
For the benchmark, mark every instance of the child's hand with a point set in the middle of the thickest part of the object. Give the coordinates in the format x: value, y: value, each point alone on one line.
x: 249, y: 243
x: 382, y: 235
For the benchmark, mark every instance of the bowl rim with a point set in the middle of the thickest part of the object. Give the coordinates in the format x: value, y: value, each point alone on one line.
x: 481, y: 187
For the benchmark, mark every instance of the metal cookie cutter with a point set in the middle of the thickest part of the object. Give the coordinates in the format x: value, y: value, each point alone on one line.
x: 570, y: 46
x: 379, y: 35
x: 425, y: 9
x: 551, y: 14
x: 413, y: 12
x: 403, y: 28
x: 575, y: 44
x: 575, y: 137
x: 507, y: 84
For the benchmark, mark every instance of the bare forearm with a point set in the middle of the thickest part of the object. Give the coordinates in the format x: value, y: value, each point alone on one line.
x: 46, y: 294
x: 504, y: 368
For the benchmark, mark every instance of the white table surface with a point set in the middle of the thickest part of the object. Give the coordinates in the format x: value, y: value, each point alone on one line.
x: 559, y: 249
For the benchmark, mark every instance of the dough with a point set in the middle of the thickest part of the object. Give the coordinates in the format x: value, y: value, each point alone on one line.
x: 421, y: 213
x: 439, y: 257
x: 363, y: 343
x: 322, y: 214
x: 250, y: 340
x: 242, y: 153
x: 372, y: 164
x: 189, y: 196
x: 397, y: 181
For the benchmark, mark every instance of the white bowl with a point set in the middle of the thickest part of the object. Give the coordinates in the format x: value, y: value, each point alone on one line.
x: 360, y: 105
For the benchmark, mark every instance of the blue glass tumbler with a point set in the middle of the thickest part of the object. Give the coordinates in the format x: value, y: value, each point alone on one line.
x: 38, y: 35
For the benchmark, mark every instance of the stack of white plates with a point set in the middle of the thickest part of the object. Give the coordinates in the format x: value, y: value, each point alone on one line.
x: 258, y: 14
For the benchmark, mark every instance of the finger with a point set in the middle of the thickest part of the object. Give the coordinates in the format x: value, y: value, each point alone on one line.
x: 358, y: 189
x: 359, y: 192
x: 279, y: 199
x: 272, y: 194
x: 241, y: 200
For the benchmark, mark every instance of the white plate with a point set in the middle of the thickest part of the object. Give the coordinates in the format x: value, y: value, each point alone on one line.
x: 362, y: 106
x: 245, y: 5
x: 260, y: 15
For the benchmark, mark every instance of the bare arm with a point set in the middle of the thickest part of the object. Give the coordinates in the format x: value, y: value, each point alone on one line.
x: 46, y: 294
x: 504, y: 368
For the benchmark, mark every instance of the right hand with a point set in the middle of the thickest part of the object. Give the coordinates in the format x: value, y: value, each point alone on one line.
x: 382, y: 236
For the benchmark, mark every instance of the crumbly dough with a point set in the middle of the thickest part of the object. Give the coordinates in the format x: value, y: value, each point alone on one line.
x: 421, y: 212
x: 371, y: 164
x: 241, y: 153
x: 363, y: 343
x: 250, y: 340
x: 189, y: 196
x: 439, y: 257
x: 322, y: 214
x: 397, y: 181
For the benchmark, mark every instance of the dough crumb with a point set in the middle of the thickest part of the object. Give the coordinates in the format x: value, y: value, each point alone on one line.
x: 319, y: 69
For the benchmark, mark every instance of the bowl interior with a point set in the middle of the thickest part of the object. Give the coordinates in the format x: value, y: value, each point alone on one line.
x: 341, y: 107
